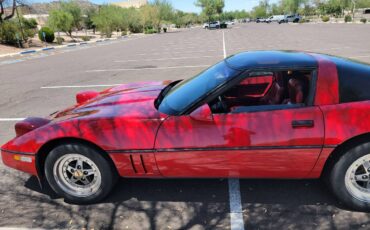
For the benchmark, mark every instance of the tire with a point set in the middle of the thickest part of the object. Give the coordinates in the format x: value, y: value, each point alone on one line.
x: 346, y: 174
x: 86, y: 182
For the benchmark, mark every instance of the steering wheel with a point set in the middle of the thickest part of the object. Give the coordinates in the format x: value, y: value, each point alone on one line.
x: 220, y: 106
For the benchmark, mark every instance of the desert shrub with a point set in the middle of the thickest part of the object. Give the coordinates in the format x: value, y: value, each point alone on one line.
x: 325, y: 18
x: 348, y: 18
x: 29, y: 23
x: 150, y: 31
x: 304, y: 20
x: 363, y: 20
x: 49, y: 34
x: 85, y: 38
x: 136, y: 28
x: 11, y: 33
x: 60, y: 40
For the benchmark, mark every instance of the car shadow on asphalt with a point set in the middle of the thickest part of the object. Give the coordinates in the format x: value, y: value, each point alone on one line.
x: 292, y: 193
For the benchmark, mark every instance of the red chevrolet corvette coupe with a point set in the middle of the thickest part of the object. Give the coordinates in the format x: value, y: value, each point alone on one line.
x: 261, y: 114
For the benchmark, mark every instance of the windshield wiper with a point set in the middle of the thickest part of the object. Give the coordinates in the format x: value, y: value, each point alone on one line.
x: 164, y: 92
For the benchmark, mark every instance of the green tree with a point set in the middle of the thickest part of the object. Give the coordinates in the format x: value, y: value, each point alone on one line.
x: 260, y: 11
x: 148, y: 14
x: 60, y: 21
x: 276, y: 9
x: 74, y: 9
x: 292, y: 6
x: 87, y: 20
x: 111, y: 18
x: 135, y: 21
x: 7, y: 15
x: 211, y: 8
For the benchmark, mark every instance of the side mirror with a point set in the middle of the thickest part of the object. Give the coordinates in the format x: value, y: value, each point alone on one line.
x: 203, y: 113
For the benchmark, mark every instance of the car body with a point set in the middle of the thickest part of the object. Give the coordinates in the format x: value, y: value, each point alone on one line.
x: 276, y: 18
x: 258, y: 20
x: 258, y: 114
x: 212, y: 25
x: 230, y: 23
x: 293, y: 18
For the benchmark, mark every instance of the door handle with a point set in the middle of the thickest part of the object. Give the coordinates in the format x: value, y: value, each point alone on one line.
x: 302, y: 123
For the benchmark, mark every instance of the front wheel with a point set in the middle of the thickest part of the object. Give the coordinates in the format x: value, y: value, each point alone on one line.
x: 79, y: 173
x: 350, y: 178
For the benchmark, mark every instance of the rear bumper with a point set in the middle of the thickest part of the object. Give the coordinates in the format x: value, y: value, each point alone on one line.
x: 24, y: 162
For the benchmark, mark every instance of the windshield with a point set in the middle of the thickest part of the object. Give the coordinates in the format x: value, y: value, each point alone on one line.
x: 187, y: 92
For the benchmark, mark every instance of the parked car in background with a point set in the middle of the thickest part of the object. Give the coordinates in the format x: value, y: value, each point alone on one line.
x: 293, y: 18
x: 258, y: 20
x: 230, y: 23
x: 223, y: 25
x: 276, y: 18
x: 212, y: 25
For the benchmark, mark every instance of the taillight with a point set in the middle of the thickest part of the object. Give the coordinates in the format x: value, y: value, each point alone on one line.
x: 29, y: 124
x: 84, y: 96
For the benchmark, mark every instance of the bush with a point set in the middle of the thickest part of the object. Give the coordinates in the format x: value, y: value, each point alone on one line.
x: 348, y: 18
x: 85, y: 38
x: 60, y: 40
x: 136, y: 28
x: 304, y: 20
x: 363, y: 20
x: 150, y: 31
x: 29, y: 23
x: 11, y: 33
x: 325, y: 18
x: 49, y: 34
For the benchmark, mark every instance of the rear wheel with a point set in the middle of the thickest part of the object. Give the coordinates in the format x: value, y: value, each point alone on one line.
x: 79, y: 173
x: 350, y: 178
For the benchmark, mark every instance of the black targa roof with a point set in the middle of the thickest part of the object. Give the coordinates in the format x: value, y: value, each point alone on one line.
x: 271, y: 59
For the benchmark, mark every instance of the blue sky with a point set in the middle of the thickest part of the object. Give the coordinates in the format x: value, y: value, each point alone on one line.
x: 188, y: 5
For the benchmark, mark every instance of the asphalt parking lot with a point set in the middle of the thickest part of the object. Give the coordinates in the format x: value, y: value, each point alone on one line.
x: 37, y: 85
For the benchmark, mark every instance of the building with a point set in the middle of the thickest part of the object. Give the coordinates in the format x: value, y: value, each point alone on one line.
x: 131, y: 3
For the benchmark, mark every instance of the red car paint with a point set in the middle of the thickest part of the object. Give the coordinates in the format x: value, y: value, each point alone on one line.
x: 142, y: 142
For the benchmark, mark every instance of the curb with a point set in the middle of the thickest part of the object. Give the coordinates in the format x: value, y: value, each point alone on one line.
x: 48, y: 48
x: 28, y: 52
x: 62, y: 46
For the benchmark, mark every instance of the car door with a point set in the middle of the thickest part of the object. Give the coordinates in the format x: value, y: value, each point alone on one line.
x: 281, y: 143
x: 275, y: 141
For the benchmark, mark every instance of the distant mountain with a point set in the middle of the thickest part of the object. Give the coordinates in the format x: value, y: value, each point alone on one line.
x: 44, y: 8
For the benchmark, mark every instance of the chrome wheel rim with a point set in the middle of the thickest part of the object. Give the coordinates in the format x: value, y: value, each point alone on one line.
x: 77, y: 175
x: 357, y: 179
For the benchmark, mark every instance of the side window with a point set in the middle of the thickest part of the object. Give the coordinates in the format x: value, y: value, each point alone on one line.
x: 354, y: 81
x: 260, y: 91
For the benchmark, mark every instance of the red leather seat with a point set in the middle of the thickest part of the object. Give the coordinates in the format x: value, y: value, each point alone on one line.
x: 296, y: 89
x: 275, y: 95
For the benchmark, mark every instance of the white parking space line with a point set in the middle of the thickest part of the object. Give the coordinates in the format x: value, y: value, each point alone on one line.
x: 183, y: 52
x: 145, y: 68
x: 165, y: 59
x: 224, y: 44
x: 77, y: 86
x: 11, y: 119
x: 236, y: 213
x: 364, y: 56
